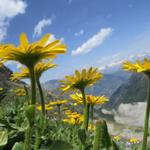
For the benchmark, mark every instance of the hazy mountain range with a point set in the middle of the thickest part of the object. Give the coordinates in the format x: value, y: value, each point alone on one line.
x: 120, y: 87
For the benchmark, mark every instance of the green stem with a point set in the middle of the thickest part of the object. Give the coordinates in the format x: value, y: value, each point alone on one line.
x: 86, y: 117
x: 37, y: 140
x: 43, y: 116
x: 27, y: 99
x: 92, y: 115
x: 27, y: 138
x: 33, y: 101
x: 96, y: 145
x: 59, y: 112
x: 33, y: 85
x: 146, y: 124
x: 84, y: 97
x: 42, y: 96
x: 86, y: 107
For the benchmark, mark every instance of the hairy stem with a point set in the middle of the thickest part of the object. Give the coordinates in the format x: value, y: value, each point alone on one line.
x: 86, y: 107
x: 42, y: 96
x: 146, y: 123
x: 92, y: 115
x: 33, y: 85
x: 31, y: 120
x: 27, y: 138
x: 86, y: 117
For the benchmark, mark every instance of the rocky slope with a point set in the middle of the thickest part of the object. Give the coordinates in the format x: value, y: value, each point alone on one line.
x: 106, y: 86
x: 133, y: 90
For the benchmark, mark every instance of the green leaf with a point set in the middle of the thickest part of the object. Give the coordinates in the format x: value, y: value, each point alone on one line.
x: 82, y: 136
x: 18, y: 146
x: 3, y: 138
x: 89, y: 147
x: 60, y: 145
x: 114, y: 146
x: 105, y: 139
x: 102, y: 138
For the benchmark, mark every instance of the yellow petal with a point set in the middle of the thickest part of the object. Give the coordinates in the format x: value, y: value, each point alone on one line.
x: 44, y: 39
x: 23, y: 40
x: 83, y: 73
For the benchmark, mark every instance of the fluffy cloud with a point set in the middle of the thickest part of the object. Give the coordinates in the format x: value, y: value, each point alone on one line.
x: 81, y: 32
x: 53, y: 38
x: 93, y: 42
x: 116, y: 60
x: 13, y: 63
x: 41, y: 24
x: 8, y: 10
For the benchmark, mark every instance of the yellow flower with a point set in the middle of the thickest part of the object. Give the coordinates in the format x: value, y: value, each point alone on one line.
x: 81, y: 80
x: 75, y: 104
x: 90, y: 99
x: 93, y: 100
x: 30, y: 54
x: 42, y: 67
x: 73, y: 118
x: 19, y: 92
x: 133, y: 140
x: 65, y: 108
x: 116, y: 138
x: 47, y: 107
x: 20, y: 75
x: 77, y: 98
x: 58, y: 102
x: 67, y: 112
x: 91, y: 127
x: 138, y: 66
x: 1, y: 89
x: 39, y: 69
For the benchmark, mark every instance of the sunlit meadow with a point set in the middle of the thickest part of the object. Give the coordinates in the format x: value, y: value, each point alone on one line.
x: 74, y: 75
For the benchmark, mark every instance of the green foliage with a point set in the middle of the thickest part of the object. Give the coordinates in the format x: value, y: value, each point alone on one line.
x: 56, y: 134
x: 105, y: 140
x: 18, y: 146
x: 82, y: 136
x: 3, y: 138
x: 114, y: 146
x: 62, y: 145
x: 102, y: 138
x: 30, y: 113
x: 97, y: 138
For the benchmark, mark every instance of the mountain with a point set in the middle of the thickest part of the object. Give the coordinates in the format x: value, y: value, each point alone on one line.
x: 5, y: 82
x: 133, y: 90
x: 109, y: 83
x: 106, y: 86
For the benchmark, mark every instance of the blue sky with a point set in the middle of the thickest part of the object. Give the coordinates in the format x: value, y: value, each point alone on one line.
x: 100, y: 33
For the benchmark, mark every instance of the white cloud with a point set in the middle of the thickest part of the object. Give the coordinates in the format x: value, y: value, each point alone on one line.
x: 13, y: 63
x: 93, y: 42
x: 8, y: 10
x: 81, y: 32
x: 40, y: 25
x: 116, y: 60
x: 53, y: 38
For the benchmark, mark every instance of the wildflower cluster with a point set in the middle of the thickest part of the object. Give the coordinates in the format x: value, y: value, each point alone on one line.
x: 73, y: 118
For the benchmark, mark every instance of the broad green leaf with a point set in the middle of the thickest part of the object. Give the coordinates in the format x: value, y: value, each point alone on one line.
x: 3, y: 138
x: 105, y: 139
x: 60, y: 145
x: 102, y: 138
x: 18, y: 146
